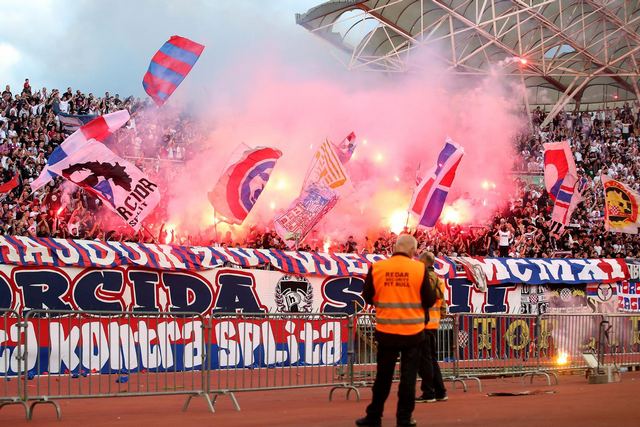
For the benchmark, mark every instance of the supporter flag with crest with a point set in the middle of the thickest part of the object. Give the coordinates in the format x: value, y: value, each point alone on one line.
x: 96, y: 130
x: 326, y: 168
x: 304, y: 213
x: 319, y: 193
x: 92, y: 166
x: 244, y: 179
x: 620, y: 207
x: 169, y: 67
x: 432, y: 191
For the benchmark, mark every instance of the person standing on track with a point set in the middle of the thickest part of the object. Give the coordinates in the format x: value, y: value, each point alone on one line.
x: 399, y: 289
x: 432, y: 385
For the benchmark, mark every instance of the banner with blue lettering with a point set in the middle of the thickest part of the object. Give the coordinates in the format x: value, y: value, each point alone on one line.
x: 81, y: 346
x: 47, y: 252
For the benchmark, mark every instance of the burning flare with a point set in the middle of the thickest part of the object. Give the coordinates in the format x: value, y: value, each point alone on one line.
x: 563, y: 358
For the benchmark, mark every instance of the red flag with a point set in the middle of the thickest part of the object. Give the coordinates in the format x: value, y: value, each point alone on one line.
x: 10, y: 185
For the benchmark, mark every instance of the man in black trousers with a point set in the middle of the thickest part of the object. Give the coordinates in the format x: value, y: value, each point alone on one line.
x: 398, y: 288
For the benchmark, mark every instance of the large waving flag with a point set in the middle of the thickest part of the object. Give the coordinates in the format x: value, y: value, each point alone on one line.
x: 71, y: 122
x: 558, y: 163
x: 620, y: 207
x: 567, y: 199
x: 96, y: 130
x: 318, y: 196
x: 242, y: 183
x: 429, y: 197
x: 326, y: 168
x: 124, y: 188
x: 169, y: 66
x: 304, y: 213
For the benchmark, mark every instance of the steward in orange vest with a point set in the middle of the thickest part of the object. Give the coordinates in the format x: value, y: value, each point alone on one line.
x: 398, y: 288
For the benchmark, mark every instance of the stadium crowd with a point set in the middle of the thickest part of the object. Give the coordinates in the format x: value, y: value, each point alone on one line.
x: 603, y: 141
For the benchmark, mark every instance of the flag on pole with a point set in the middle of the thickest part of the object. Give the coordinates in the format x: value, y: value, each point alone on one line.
x: 124, y: 188
x: 558, y: 163
x: 70, y: 123
x: 430, y: 195
x: 305, y: 212
x: 96, y: 130
x: 620, y: 207
x: 567, y: 199
x: 239, y: 187
x: 346, y: 148
x: 169, y: 66
x: 326, y: 168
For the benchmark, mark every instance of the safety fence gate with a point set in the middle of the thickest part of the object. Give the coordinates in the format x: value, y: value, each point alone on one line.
x: 49, y: 355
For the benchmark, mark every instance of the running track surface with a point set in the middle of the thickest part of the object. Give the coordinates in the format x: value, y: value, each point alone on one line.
x: 575, y: 403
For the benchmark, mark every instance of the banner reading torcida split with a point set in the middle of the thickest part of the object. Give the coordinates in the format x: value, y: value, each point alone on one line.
x: 38, y: 273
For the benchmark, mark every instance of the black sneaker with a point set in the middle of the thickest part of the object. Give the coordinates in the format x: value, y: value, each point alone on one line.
x: 425, y: 399
x: 442, y: 399
x: 368, y: 422
x: 409, y: 423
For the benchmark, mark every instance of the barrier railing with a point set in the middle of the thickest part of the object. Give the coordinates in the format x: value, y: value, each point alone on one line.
x: 11, y: 360
x: 51, y: 354
x: 273, y: 351
x: 88, y: 354
x: 564, y: 338
x: 624, y: 340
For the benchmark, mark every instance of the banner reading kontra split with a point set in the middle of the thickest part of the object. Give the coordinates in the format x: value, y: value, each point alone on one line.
x: 82, y: 346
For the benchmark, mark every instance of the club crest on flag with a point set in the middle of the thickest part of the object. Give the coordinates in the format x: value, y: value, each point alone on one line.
x: 99, y: 176
x: 241, y: 184
x: 621, y: 206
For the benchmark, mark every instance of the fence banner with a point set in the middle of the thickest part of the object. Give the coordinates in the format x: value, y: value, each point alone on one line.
x: 47, y: 252
x: 82, y: 346
x: 240, y: 342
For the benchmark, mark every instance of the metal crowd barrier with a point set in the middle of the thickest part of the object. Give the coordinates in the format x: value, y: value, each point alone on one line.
x: 275, y: 351
x: 11, y: 350
x: 52, y: 354
x: 90, y: 354
x: 564, y: 338
x: 624, y: 341
x: 490, y: 345
x: 476, y: 346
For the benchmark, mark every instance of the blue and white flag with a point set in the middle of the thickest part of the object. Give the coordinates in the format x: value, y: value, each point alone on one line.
x: 123, y: 187
x: 97, y: 129
x: 432, y: 191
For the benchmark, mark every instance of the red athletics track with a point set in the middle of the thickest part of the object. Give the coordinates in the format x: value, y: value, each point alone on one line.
x: 574, y: 404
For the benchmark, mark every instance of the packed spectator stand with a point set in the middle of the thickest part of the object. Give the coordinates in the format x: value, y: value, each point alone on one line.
x: 603, y: 141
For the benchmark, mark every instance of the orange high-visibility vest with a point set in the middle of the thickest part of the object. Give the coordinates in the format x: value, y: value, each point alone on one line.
x: 434, y: 311
x: 397, y: 282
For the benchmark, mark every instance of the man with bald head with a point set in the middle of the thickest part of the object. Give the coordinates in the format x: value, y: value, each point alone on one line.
x: 398, y: 287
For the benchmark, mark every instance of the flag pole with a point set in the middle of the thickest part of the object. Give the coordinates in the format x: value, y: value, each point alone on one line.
x: 406, y: 223
x: 144, y: 227
x: 215, y: 225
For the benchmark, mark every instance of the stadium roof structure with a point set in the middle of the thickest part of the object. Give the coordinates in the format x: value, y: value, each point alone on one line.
x: 564, y: 51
